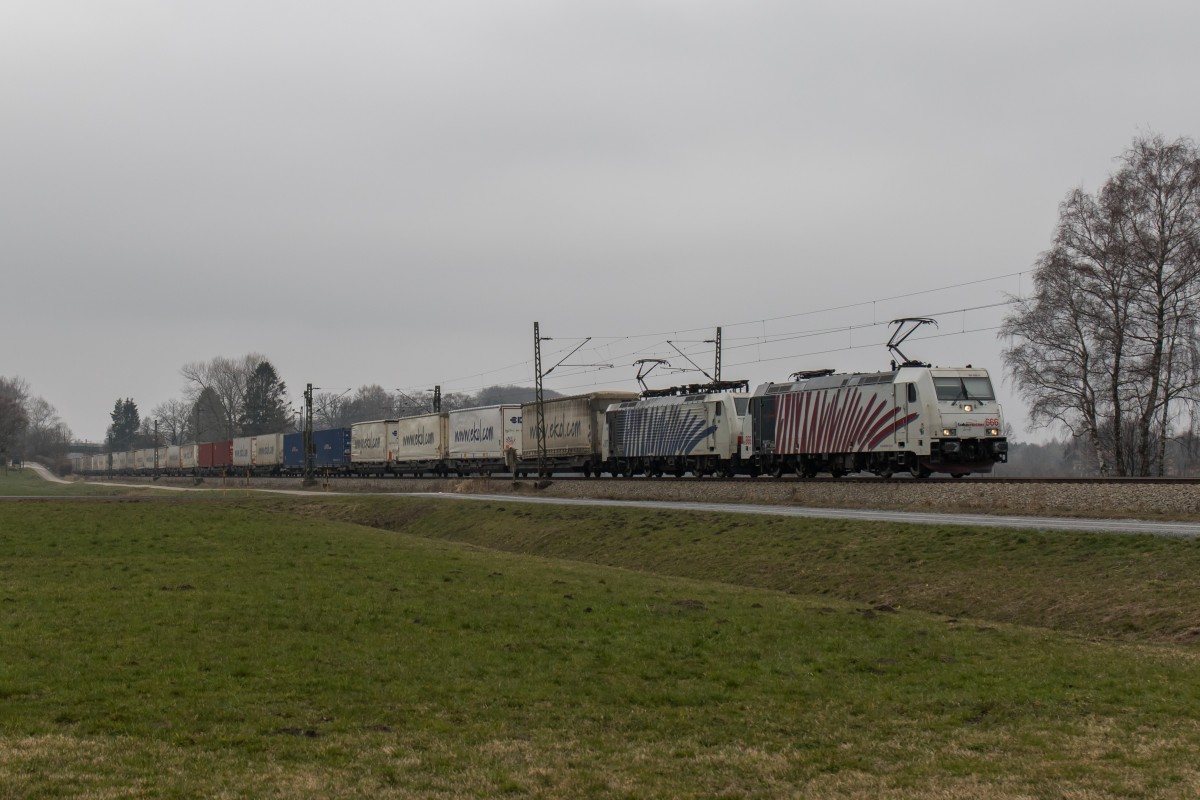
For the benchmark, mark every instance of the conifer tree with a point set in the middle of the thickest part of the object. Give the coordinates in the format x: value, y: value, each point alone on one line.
x: 265, y: 403
x: 125, y: 424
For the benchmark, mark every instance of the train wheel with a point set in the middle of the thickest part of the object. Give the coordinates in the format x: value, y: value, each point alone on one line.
x: 837, y: 473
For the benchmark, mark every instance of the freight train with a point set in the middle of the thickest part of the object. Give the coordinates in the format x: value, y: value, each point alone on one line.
x: 913, y: 419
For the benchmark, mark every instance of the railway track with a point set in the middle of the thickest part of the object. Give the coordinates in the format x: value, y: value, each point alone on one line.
x: 740, y: 479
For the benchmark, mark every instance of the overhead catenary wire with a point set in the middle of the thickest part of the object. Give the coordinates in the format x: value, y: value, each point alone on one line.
x: 634, y: 348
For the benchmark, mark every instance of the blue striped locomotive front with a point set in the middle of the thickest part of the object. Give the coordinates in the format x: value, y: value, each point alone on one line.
x: 678, y: 433
x: 661, y: 430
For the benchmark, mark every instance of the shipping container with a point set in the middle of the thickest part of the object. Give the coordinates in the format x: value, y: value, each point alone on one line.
x: 574, y: 429
x: 173, y: 458
x: 216, y: 456
x: 331, y: 450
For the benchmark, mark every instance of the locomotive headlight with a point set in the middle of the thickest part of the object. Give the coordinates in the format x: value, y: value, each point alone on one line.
x: 993, y: 431
x: 967, y: 407
x: 948, y: 431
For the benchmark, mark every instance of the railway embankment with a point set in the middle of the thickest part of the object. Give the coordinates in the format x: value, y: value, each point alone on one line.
x: 1179, y: 501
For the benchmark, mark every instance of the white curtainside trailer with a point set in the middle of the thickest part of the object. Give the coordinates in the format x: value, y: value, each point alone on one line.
x: 143, y: 459
x: 243, y: 452
x: 373, y: 445
x: 189, y: 456
x: 267, y: 452
x: 482, y: 439
x: 422, y: 444
x: 574, y: 429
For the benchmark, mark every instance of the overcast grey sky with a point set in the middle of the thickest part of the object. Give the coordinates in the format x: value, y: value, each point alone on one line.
x: 393, y: 192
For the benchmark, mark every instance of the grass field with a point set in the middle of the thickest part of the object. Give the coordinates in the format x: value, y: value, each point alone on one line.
x: 393, y: 647
x: 25, y: 482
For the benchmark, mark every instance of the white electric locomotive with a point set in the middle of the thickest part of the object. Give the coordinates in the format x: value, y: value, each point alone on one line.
x: 692, y: 429
x: 917, y: 418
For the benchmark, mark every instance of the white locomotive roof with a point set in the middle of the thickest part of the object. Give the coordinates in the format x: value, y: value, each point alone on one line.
x: 837, y: 380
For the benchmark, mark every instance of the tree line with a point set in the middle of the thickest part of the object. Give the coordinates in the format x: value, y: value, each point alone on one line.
x: 1106, y: 345
x: 29, y: 425
x: 224, y: 398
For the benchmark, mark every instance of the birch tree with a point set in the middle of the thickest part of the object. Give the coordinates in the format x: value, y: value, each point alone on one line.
x: 1106, y: 344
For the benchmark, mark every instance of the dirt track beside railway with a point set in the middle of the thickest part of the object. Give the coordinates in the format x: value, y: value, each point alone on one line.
x: 1135, y: 501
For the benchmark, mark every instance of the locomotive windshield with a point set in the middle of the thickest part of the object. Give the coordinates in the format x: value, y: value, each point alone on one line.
x: 954, y: 387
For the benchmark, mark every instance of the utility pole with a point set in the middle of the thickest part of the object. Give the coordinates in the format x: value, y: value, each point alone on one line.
x: 156, y: 449
x: 310, y: 450
x: 437, y: 399
x: 717, y: 368
x: 539, y: 400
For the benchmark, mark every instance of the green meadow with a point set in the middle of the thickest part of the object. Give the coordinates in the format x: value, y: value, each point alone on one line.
x: 209, y: 646
x: 25, y: 482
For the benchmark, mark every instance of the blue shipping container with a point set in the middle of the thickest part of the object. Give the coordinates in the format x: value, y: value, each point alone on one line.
x: 332, y: 449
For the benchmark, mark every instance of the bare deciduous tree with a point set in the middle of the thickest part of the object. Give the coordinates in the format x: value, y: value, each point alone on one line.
x: 176, y: 422
x: 371, y: 402
x: 223, y: 381
x: 13, y: 417
x: 329, y: 410
x: 1106, y: 343
x: 47, y: 435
